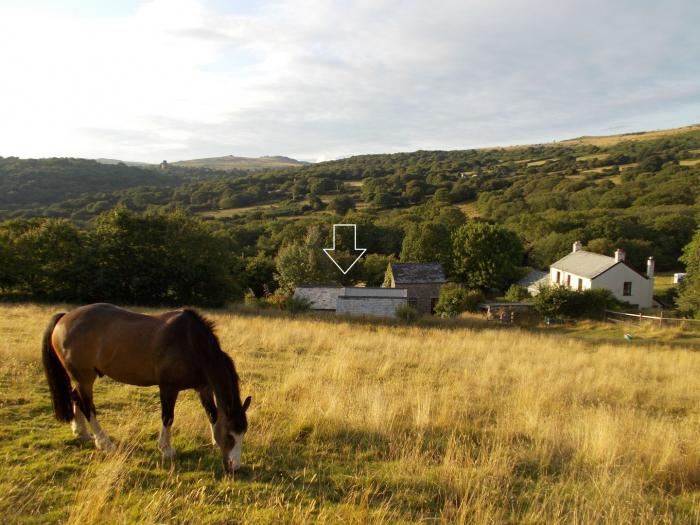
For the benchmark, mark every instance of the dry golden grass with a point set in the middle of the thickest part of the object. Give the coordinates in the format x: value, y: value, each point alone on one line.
x: 361, y: 423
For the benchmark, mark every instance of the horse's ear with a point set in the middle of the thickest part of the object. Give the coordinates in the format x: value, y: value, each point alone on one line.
x: 246, y: 403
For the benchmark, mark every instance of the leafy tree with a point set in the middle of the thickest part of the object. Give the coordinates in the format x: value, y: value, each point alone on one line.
x: 517, y: 293
x: 427, y: 242
x: 373, y: 268
x: 161, y: 259
x: 303, y: 263
x: 49, y: 259
x: 341, y: 204
x: 259, y: 272
x: 689, y: 292
x: 486, y: 255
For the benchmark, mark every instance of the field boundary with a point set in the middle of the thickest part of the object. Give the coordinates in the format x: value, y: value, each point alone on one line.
x: 612, y: 316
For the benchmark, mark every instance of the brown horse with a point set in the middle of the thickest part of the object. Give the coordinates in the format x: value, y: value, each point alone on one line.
x: 176, y: 351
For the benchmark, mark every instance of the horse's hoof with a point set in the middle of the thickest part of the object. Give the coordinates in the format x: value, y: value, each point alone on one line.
x: 82, y: 437
x: 168, y: 454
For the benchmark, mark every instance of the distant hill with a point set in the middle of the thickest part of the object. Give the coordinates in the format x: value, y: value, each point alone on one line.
x: 125, y: 162
x: 231, y: 162
x: 611, y: 140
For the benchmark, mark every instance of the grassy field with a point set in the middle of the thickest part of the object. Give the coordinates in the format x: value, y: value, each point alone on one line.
x: 360, y: 423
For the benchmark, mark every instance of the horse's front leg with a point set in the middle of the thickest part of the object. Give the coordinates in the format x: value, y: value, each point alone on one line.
x: 207, y: 399
x: 168, y: 397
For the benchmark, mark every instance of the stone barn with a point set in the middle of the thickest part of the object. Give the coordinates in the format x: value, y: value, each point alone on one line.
x: 422, y: 281
x: 371, y: 302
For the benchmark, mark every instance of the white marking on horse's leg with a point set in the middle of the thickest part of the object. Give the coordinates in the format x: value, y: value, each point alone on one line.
x: 101, y: 440
x: 164, y: 443
x: 213, y: 437
x: 79, y: 424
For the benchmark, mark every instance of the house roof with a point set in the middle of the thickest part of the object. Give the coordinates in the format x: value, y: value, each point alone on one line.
x: 585, y: 264
x: 417, y: 273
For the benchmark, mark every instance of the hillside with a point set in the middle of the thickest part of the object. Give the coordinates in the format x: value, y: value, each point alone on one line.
x: 230, y: 162
x: 641, y: 194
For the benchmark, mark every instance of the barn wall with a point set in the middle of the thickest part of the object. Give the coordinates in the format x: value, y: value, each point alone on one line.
x: 423, y: 294
x: 369, y: 306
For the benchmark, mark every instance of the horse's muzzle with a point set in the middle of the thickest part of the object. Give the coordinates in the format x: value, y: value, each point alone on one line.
x: 229, y: 466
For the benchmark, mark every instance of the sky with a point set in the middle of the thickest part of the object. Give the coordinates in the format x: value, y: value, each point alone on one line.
x: 152, y: 80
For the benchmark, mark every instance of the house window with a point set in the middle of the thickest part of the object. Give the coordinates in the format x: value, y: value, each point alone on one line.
x: 580, y: 284
x: 558, y: 277
x: 568, y: 281
x: 413, y: 303
x: 627, y: 288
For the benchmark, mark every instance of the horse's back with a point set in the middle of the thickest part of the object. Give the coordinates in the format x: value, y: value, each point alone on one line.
x: 111, y: 340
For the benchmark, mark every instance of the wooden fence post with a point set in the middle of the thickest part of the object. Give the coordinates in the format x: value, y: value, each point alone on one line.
x: 640, y: 318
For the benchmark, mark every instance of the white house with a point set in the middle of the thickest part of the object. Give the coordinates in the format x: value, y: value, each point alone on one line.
x: 582, y: 270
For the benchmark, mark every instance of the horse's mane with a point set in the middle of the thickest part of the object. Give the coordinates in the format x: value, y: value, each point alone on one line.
x: 216, y: 365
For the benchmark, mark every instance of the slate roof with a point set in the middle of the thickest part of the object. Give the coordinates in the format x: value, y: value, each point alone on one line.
x: 373, y: 293
x: 320, y: 297
x: 417, y: 273
x: 534, y: 278
x: 585, y: 264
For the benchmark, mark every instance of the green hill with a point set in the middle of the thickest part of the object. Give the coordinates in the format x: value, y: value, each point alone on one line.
x: 230, y: 162
x: 639, y: 191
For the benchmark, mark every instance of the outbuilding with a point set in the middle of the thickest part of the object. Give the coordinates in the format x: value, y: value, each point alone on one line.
x: 371, y: 302
x: 422, y: 281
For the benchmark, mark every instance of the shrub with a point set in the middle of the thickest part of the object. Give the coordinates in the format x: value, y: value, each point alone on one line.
x: 517, y: 293
x: 407, y: 313
x: 275, y: 300
x: 559, y: 301
x: 454, y: 299
x: 295, y: 305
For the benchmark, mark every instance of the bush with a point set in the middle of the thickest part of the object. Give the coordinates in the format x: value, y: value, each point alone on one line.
x: 407, y: 313
x: 295, y: 305
x: 275, y: 300
x: 517, y: 293
x: 454, y: 299
x: 559, y: 301
x: 249, y: 298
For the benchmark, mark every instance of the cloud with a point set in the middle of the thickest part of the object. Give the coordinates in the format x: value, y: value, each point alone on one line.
x: 322, y: 79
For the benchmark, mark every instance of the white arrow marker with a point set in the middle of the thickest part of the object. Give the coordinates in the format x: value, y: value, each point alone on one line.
x: 361, y: 250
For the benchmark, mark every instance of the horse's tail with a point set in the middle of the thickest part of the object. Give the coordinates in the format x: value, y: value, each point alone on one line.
x: 56, y: 375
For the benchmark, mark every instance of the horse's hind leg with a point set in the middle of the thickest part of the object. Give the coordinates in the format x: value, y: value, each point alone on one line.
x: 168, y: 397
x: 79, y: 423
x: 87, y: 406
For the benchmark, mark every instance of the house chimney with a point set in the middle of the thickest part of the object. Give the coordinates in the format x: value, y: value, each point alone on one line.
x: 650, y: 267
x: 577, y: 246
x: 619, y: 255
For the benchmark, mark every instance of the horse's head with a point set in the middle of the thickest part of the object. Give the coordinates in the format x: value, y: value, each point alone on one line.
x: 229, y: 430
